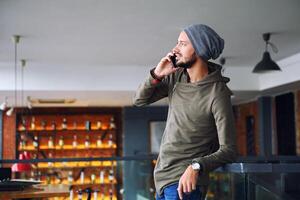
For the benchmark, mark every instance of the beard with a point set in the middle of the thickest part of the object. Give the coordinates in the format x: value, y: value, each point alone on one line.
x: 189, y: 63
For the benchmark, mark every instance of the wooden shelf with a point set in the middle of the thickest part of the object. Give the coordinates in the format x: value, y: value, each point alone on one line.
x: 62, y: 130
x: 69, y: 147
x: 86, y: 184
x: 71, y: 165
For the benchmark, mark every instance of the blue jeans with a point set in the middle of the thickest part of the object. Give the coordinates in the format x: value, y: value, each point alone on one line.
x: 170, y: 193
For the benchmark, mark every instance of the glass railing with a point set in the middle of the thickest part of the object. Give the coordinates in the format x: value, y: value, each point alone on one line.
x: 131, y: 178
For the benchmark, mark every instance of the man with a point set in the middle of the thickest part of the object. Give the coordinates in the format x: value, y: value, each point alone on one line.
x: 200, y: 133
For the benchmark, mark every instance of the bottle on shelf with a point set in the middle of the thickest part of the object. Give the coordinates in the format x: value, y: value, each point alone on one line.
x: 74, y: 125
x: 50, y: 164
x: 34, y: 156
x: 99, y: 141
x: 70, y: 177
x: 39, y: 175
x: 61, y: 142
x: 50, y: 142
x: 88, y: 125
x: 101, y: 181
x: 64, y: 124
x: 48, y: 180
x: 79, y: 194
x: 87, y: 142
x: 43, y: 124
x: 110, y: 193
x: 53, y: 125
x: 35, y: 142
x: 110, y: 140
x: 71, y: 197
x: 82, y: 177
x: 95, y: 194
x: 93, y: 178
x: 74, y: 143
x: 102, y: 196
x: 111, y: 176
x: 99, y: 125
x: 23, y: 124
x: 22, y: 144
x: 112, y: 124
x: 32, y: 124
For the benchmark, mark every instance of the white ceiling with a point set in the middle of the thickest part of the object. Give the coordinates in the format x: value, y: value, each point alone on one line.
x: 107, y: 47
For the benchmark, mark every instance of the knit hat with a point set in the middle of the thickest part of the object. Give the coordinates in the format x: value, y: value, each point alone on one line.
x: 206, y: 42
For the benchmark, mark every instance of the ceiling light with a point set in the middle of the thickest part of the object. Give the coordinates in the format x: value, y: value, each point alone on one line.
x: 267, y: 64
x: 3, y: 105
x: 10, y: 111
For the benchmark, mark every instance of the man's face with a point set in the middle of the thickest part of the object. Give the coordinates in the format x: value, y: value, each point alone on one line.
x: 184, y: 51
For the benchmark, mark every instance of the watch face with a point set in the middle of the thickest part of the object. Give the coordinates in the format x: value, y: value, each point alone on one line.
x: 196, y: 166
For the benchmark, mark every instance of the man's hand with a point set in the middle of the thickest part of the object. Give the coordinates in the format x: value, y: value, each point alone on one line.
x: 165, y: 66
x: 188, y: 181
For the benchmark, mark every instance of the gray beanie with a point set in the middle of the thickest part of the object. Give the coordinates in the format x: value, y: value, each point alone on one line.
x: 206, y: 42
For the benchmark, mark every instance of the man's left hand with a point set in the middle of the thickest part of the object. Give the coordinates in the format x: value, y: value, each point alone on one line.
x: 187, y: 182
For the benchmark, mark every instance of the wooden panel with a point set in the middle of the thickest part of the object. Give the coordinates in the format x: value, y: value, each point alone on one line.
x: 241, y: 113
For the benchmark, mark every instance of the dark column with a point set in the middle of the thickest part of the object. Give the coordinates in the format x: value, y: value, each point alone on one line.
x: 265, y: 125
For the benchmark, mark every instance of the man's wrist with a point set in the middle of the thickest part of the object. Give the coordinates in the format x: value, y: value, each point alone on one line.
x: 156, y: 75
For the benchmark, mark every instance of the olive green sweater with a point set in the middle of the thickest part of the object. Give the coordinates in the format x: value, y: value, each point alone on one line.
x: 200, y: 124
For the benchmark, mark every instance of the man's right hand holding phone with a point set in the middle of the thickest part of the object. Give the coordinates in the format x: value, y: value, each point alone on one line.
x: 165, y: 66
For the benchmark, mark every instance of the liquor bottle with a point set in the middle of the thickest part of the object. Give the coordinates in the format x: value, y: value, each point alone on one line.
x: 112, y: 124
x: 101, y: 177
x: 82, y: 177
x: 99, y: 125
x: 71, y: 194
x: 95, y: 194
x: 50, y: 164
x: 79, y: 194
x: 110, y: 142
x: 111, y: 176
x: 74, y: 125
x: 70, y: 177
x: 32, y: 175
x: 39, y: 175
x: 50, y: 142
x: 93, y: 178
x: 22, y: 144
x: 74, y: 143
x: 34, y: 156
x: 32, y: 124
x: 87, y: 142
x: 102, y: 196
x: 35, y: 142
x: 23, y: 125
x: 48, y: 180
x: 61, y: 142
x: 99, y: 142
x: 87, y: 125
x: 43, y: 125
x: 64, y: 125
x: 53, y: 125
x: 110, y: 193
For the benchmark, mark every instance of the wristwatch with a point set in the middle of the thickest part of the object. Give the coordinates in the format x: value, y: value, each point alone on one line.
x: 196, y: 166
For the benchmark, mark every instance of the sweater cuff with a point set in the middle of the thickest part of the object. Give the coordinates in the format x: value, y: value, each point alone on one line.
x: 202, y: 164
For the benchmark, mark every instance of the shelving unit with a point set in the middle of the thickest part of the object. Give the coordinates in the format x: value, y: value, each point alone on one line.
x: 72, y: 133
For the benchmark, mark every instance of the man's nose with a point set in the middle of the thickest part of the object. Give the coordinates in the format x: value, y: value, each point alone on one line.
x: 175, y: 49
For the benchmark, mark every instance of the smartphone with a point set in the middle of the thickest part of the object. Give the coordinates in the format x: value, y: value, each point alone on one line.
x: 173, y: 59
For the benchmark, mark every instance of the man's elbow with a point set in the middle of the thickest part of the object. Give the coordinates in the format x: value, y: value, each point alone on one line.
x: 138, y: 102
